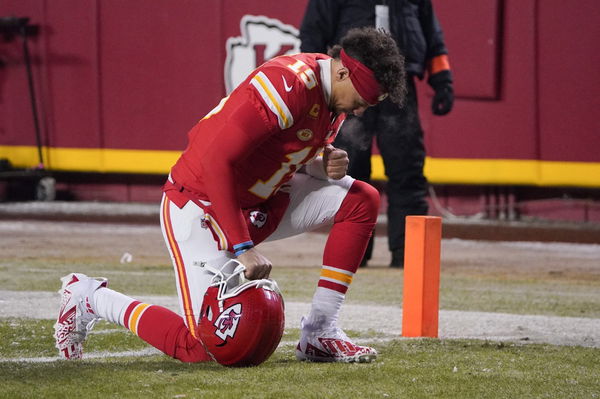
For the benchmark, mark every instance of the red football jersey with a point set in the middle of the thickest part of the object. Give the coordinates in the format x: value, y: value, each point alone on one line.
x: 245, y: 149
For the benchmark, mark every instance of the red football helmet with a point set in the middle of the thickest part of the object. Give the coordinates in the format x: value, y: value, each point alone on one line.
x: 241, y: 326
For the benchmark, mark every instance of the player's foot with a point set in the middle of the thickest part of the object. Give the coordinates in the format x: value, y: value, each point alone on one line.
x: 331, y: 345
x: 76, y: 316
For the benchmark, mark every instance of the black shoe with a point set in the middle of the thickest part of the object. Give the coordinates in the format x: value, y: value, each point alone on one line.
x: 397, y: 259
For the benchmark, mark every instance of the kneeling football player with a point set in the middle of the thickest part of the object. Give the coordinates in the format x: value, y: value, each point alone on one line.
x: 260, y: 166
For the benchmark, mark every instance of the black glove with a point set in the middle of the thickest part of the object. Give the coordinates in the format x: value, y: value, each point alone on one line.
x: 444, y: 92
x: 443, y: 100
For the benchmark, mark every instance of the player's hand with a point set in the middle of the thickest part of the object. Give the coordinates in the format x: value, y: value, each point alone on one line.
x: 257, y: 266
x: 336, y: 162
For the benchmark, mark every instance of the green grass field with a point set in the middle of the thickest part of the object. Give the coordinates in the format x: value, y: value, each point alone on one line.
x: 416, y: 368
x: 118, y: 364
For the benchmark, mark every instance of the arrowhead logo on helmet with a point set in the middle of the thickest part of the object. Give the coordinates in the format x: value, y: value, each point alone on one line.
x: 241, y: 326
x: 228, y: 321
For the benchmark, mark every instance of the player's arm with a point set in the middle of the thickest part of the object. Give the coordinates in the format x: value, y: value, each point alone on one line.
x: 335, y: 162
x: 260, y: 110
x: 257, y: 265
x: 332, y: 164
x: 244, y: 131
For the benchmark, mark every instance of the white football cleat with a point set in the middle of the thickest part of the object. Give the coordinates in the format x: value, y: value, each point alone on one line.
x: 331, y: 345
x: 76, y: 316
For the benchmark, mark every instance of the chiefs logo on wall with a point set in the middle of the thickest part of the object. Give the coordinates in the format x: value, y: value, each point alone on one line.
x: 262, y: 39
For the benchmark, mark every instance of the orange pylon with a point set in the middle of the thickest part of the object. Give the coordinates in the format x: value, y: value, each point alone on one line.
x: 420, y: 305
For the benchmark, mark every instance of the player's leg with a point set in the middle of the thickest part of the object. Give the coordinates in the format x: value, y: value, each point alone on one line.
x: 159, y: 326
x: 191, y: 245
x: 351, y: 207
x: 356, y: 138
x: 86, y: 300
x: 75, y: 317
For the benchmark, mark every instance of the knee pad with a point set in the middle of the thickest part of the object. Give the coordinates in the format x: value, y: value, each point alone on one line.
x: 361, y: 204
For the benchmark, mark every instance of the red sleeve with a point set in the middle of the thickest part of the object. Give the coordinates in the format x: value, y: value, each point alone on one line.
x: 269, y: 103
x: 282, y: 94
x: 245, y: 129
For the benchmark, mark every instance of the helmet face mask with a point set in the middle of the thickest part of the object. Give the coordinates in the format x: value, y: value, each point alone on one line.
x: 241, y: 326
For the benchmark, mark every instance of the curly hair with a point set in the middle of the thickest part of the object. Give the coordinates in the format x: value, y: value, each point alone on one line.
x: 378, y: 51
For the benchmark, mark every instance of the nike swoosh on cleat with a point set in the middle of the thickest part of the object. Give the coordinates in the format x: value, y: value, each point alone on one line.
x: 287, y: 88
x: 70, y: 313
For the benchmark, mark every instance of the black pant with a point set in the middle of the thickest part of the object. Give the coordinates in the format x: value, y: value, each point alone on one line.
x: 400, y: 140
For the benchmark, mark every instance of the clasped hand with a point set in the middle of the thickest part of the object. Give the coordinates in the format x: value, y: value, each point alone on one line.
x: 335, y: 162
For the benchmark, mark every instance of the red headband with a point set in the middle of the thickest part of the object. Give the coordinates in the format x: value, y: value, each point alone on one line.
x: 362, y: 78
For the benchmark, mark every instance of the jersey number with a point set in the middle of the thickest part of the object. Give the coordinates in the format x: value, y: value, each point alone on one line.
x: 306, y: 74
x: 264, y: 189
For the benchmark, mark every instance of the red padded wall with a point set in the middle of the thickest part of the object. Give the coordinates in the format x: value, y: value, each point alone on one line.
x: 160, y: 70
x: 503, y: 128
x: 138, y: 74
x: 72, y: 97
x: 16, y: 122
x: 475, y: 41
x: 569, y: 80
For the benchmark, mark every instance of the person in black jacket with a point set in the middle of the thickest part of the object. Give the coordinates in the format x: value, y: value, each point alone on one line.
x: 415, y: 27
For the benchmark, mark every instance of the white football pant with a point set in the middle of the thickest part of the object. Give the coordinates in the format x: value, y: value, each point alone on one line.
x: 313, y: 204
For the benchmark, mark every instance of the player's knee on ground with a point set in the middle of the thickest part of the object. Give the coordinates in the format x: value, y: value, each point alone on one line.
x: 188, y: 348
x: 361, y: 204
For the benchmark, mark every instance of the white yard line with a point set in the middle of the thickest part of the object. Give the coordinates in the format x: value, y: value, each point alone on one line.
x: 148, y: 352
x: 86, y: 356
x: 573, y: 331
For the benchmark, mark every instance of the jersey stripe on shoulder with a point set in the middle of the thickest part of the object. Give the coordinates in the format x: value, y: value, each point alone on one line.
x: 273, y: 100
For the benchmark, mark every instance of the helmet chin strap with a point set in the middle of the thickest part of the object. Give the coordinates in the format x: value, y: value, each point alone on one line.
x: 221, y: 280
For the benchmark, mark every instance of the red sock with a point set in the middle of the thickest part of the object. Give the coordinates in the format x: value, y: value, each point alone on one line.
x: 349, y: 236
x: 166, y: 331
